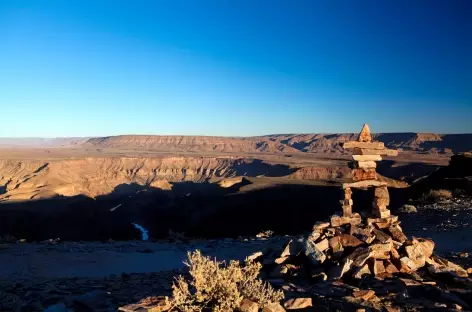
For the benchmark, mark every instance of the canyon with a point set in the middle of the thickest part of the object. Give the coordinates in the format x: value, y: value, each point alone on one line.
x: 181, y: 183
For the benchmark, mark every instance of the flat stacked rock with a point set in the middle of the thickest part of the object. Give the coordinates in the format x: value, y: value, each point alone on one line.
x: 365, y: 154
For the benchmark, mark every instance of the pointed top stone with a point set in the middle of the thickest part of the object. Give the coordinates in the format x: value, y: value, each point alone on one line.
x: 364, y: 135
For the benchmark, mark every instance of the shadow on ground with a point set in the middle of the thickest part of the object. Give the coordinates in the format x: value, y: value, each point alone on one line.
x: 198, y: 209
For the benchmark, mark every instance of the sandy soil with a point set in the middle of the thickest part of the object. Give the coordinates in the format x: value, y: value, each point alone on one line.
x: 32, y: 261
x: 96, y: 259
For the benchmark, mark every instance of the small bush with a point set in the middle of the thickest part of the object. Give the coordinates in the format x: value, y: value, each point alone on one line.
x: 458, y: 192
x: 408, y: 209
x: 434, y: 195
x: 7, y: 238
x: 219, y: 286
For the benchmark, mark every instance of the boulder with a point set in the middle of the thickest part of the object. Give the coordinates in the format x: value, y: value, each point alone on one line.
x: 320, y: 226
x: 281, y: 260
x: 354, y: 219
x: 342, y: 268
x: 315, y: 255
x: 381, y: 251
x: 394, y: 253
x: 383, y: 223
x: 442, y: 270
x: 412, y: 265
x: 389, y: 267
x: 378, y: 267
x: 336, y: 246
x: 273, y: 307
x: 255, y: 256
x: 248, y: 306
x: 293, y: 248
x: 350, y: 241
x: 363, y: 294
x: 382, y: 236
x: 427, y: 246
x: 322, y: 245
x: 361, y: 230
x: 459, y: 271
x: 397, y: 233
x: 361, y: 271
x: 360, y: 256
x: 298, y: 303
x: 418, y: 252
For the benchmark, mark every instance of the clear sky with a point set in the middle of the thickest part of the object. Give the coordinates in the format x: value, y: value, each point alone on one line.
x: 239, y: 67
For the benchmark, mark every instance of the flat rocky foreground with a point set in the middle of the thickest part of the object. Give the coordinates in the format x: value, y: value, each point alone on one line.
x: 102, y: 276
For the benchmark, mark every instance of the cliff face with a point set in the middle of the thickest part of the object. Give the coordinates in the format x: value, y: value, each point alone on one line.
x: 189, y: 144
x: 93, y: 176
x: 278, y: 143
x: 285, y: 143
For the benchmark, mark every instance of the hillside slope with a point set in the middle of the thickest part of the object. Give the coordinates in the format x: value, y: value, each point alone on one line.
x: 305, y: 143
x: 189, y: 144
x: 418, y: 142
x: 94, y: 176
x: 429, y: 143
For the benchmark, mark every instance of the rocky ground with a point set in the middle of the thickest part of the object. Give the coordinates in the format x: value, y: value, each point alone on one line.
x: 448, y: 222
x: 102, y: 276
x: 74, y: 276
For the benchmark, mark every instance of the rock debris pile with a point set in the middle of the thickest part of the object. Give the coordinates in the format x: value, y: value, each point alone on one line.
x: 356, y: 250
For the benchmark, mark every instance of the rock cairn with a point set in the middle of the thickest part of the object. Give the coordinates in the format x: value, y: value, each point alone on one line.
x: 365, y: 153
x: 348, y: 246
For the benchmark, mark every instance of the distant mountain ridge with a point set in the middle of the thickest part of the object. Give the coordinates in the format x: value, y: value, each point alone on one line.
x: 43, y: 142
x: 277, y: 143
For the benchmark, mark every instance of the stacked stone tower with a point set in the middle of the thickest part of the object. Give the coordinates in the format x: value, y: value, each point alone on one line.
x: 365, y: 153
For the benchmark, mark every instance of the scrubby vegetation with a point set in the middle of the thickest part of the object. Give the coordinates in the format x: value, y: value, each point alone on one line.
x: 219, y: 286
x: 434, y: 195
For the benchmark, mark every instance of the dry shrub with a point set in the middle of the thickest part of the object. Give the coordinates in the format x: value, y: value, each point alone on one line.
x: 7, y: 238
x: 434, y: 195
x: 219, y: 286
x: 458, y: 192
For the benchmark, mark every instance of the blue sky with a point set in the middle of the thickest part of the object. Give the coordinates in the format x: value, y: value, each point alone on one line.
x: 236, y: 68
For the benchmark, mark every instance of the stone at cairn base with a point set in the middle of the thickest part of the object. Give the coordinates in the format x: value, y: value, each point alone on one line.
x: 364, y: 174
x: 367, y: 157
x: 346, y: 205
x: 366, y: 145
x: 367, y: 151
x: 347, y: 193
x: 383, y: 223
x: 364, y: 184
x: 381, y: 213
x: 354, y: 219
